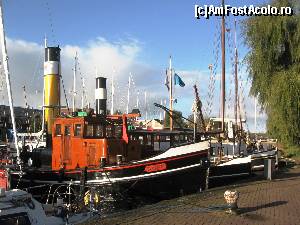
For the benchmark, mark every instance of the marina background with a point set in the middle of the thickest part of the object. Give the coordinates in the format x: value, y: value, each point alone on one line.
x: 138, y: 39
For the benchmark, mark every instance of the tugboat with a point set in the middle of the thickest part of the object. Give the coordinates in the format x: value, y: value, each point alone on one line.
x: 97, y: 151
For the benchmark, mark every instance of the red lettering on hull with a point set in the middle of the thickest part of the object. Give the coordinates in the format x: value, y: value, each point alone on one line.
x: 156, y: 167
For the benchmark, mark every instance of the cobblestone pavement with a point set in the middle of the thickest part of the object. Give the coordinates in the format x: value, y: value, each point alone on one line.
x: 260, y: 202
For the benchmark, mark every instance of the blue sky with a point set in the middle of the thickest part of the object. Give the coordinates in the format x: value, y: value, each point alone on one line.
x: 142, y: 34
x: 163, y: 27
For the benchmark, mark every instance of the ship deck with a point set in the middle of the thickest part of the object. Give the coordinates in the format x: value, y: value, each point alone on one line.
x: 260, y: 202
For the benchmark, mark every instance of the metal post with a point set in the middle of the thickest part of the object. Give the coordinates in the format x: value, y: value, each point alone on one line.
x: 8, y: 83
x: 128, y: 93
x: 83, y: 93
x: 171, y: 93
x: 74, y: 81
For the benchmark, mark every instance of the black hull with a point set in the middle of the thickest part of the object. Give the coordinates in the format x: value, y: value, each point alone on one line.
x: 157, y: 179
x: 220, y: 175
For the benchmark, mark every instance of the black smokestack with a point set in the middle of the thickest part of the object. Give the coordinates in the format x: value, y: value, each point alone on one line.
x: 101, y: 95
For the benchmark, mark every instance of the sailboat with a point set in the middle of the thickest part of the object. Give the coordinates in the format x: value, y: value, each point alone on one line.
x: 230, y: 156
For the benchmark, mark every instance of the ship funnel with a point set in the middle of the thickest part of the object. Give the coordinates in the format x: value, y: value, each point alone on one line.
x: 51, y: 85
x: 100, y: 95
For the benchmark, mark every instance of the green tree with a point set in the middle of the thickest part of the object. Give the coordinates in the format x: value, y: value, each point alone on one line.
x: 177, y: 120
x: 274, y: 66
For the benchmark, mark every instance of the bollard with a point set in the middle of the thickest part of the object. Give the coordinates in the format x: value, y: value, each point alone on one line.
x: 269, y: 168
x: 231, y: 198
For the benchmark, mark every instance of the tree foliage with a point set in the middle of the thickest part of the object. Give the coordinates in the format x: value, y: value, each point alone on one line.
x: 177, y: 120
x: 274, y: 67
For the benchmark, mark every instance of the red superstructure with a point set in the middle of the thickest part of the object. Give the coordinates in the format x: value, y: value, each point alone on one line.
x: 81, y: 142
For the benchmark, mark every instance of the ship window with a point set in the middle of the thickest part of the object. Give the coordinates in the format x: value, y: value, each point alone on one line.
x: 68, y: 130
x: 89, y: 130
x: 118, y: 130
x: 109, y: 131
x: 98, y: 130
x: 58, y: 129
x: 77, y: 130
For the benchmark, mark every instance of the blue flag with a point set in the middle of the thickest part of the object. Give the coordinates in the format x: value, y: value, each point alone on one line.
x: 167, y: 80
x: 178, y: 80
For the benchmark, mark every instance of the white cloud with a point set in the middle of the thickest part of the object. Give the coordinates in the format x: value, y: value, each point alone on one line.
x: 26, y: 68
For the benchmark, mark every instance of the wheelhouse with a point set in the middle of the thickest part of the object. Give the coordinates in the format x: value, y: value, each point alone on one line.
x: 81, y: 142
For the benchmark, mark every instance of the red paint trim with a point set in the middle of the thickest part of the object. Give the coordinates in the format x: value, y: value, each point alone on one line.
x: 155, y: 167
x: 138, y: 165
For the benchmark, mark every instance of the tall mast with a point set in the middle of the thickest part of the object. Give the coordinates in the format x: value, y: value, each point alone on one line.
x: 74, y: 81
x: 137, y: 99
x: 236, y: 77
x: 83, y: 93
x: 43, y: 105
x: 8, y: 84
x: 236, y: 90
x: 112, y: 94
x: 223, y: 70
x: 160, y: 113
x: 128, y: 93
x: 146, y: 108
x: 171, y: 93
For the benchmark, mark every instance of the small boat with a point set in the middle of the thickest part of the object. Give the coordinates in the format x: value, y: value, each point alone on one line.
x: 19, y: 207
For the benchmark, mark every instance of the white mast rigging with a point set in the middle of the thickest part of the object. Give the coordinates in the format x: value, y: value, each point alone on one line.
x: 171, y: 93
x: 74, y: 81
x: 8, y: 84
x: 128, y: 93
x: 112, y: 93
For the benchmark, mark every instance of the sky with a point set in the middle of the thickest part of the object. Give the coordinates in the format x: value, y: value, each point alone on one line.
x: 116, y: 38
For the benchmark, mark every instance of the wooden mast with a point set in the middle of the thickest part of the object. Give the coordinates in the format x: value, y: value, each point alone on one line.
x: 236, y: 90
x: 223, y: 70
x: 236, y: 78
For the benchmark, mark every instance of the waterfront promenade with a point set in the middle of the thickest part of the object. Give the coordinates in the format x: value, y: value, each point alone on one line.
x: 260, y: 202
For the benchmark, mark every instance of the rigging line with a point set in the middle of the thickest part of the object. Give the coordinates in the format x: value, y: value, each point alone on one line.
x: 37, y: 67
x: 51, y: 23
x: 230, y: 42
x: 26, y: 109
x: 82, y: 81
x: 62, y: 81
x: 212, y: 80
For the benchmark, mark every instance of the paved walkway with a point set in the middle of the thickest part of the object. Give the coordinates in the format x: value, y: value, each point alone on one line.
x: 260, y: 202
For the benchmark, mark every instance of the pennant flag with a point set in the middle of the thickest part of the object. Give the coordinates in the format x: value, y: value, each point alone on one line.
x: 178, y: 80
x: 167, y: 82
